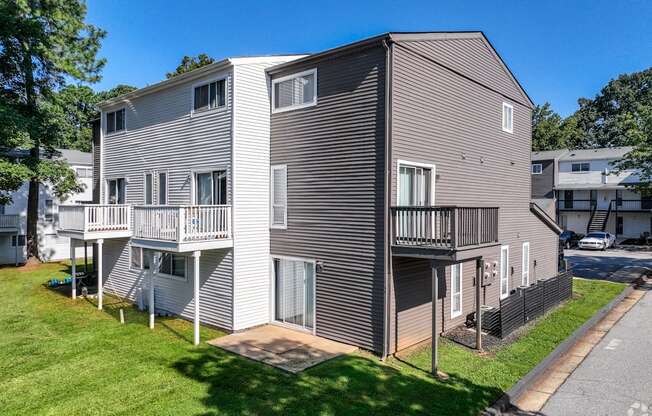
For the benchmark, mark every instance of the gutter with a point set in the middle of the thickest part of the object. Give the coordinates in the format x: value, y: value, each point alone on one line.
x: 387, y: 44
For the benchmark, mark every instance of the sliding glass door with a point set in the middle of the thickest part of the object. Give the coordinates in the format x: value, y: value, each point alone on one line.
x: 294, y: 297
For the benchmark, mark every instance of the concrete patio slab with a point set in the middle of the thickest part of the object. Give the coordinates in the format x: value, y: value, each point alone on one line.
x: 287, y: 349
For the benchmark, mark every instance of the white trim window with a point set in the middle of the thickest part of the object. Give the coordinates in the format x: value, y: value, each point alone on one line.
x: 279, y: 193
x: 21, y: 240
x: 456, y: 290
x: 116, y: 191
x: 84, y: 172
x: 537, y: 168
x: 580, y: 167
x: 294, y: 91
x: 173, y: 266
x: 415, y: 184
x: 294, y: 292
x: 49, y: 210
x: 162, y: 188
x: 504, y: 272
x: 138, y: 258
x: 210, y: 187
x: 525, y: 266
x: 115, y: 121
x: 148, y: 188
x: 508, y: 118
x: 209, y: 95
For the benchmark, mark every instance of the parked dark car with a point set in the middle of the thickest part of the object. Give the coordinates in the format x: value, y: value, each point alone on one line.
x: 569, y: 239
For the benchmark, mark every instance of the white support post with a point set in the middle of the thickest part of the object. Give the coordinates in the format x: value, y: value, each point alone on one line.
x: 195, y: 256
x: 100, y: 283
x: 73, y: 268
x: 154, y: 260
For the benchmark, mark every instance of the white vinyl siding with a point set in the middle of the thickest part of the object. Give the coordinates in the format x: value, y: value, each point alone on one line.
x: 504, y: 271
x: 525, y: 267
x: 508, y: 118
x: 456, y: 290
x: 279, y: 196
x: 294, y: 91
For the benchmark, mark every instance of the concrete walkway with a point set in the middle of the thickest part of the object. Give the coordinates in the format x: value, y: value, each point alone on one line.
x: 616, y: 377
x: 284, y: 348
x: 545, y: 387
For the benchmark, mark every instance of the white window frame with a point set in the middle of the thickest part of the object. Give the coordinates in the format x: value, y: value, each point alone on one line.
x: 581, y: 164
x: 193, y: 182
x: 407, y: 163
x: 105, y: 116
x: 460, y: 275
x: 165, y: 190
x: 510, y: 128
x: 283, y: 226
x: 140, y: 251
x: 49, y: 210
x: 84, y: 172
x: 193, y: 112
x: 107, y: 192
x: 540, y: 169
x: 272, y: 311
x: 297, y: 106
x: 504, y: 279
x: 172, y: 276
x: 525, y: 264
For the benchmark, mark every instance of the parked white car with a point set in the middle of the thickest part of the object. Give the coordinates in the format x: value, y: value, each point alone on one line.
x: 597, y: 241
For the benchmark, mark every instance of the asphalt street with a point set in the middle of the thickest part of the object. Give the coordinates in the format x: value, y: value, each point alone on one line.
x: 601, y: 264
x: 616, y: 377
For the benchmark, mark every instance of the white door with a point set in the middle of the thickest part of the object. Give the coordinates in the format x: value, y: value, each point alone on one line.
x: 525, y: 267
x: 504, y: 272
x: 294, y: 298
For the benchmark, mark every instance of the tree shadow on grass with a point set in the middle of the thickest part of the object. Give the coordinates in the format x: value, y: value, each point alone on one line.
x: 350, y: 385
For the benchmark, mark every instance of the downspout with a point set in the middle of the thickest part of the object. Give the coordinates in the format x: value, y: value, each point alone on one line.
x: 387, y: 44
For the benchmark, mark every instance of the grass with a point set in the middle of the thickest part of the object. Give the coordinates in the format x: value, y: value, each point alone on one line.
x: 63, y: 357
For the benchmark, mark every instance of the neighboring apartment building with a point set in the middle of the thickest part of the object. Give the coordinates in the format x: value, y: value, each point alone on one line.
x: 588, y: 195
x: 385, y: 162
x: 13, y: 217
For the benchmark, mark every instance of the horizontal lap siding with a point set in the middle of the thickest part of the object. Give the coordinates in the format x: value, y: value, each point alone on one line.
x: 161, y: 135
x: 335, y: 155
x: 442, y: 118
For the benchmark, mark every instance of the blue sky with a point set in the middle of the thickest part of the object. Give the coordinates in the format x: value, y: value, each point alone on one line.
x: 559, y: 50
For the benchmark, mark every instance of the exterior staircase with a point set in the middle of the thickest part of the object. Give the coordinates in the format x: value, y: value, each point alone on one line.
x: 598, y: 221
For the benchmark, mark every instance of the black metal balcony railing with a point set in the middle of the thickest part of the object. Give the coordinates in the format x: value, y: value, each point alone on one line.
x: 616, y: 204
x: 444, y: 227
x: 631, y: 204
x: 576, y: 204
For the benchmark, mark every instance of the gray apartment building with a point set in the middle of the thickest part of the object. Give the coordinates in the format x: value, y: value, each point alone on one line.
x: 323, y: 192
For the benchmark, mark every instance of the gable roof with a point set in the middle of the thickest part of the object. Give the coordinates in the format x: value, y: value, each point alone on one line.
x: 404, y: 37
x: 73, y: 157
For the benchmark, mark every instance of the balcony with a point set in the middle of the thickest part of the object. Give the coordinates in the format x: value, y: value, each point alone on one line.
x: 576, y: 204
x: 631, y: 205
x: 182, y: 228
x: 9, y: 223
x: 92, y: 222
x: 443, y: 232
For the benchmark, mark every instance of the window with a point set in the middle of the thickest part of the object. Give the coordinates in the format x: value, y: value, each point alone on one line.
x: 294, y: 292
x: 568, y: 199
x: 162, y: 188
x: 619, y: 198
x: 210, y: 95
x: 537, y: 168
x: 279, y: 196
x: 456, y: 290
x: 504, y: 272
x: 116, y: 191
x: 149, y: 191
x: 619, y: 225
x: 294, y: 91
x: 49, y: 210
x: 580, y: 167
x: 525, y: 269
x: 508, y: 118
x: 115, y: 121
x: 210, y: 188
x: 173, y: 265
x: 84, y: 172
x: 415, y: 183
x: 140, y: 258
x: 21, y: 240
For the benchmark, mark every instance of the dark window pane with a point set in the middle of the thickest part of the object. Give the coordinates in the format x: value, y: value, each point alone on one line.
x: 204, y: 190
x: 221, y: 93
x: 120, y: 120
x: 110, y: 122
x: 121, y: 190
x: 148, y: 189
x: 211, y: 95
x: 179, y: 266
x: 219, y: 187
x: 162, y: 188
x: 201, y: 97
x: 166, y: 263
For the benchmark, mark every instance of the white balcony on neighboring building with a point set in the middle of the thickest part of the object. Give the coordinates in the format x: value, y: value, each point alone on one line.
x: 9, y: 223
x: 182, y: 228
x: 92, y: 222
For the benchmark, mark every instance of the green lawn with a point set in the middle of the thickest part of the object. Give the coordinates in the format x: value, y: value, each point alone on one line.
x: 60, y: 357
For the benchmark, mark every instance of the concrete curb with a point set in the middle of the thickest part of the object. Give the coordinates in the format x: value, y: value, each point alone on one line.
x: 511, y: 395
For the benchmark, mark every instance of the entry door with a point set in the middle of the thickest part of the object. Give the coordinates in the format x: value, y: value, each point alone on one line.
x: 294, y: 293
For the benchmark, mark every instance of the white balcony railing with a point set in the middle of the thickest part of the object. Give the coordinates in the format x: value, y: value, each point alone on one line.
x: 94, y: 218
x: 9, y: 221
x: 182, y: 223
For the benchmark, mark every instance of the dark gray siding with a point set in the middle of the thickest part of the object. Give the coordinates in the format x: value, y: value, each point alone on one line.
x: 442, y: 118
x: 334, y: 153
x: 543, y: 184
